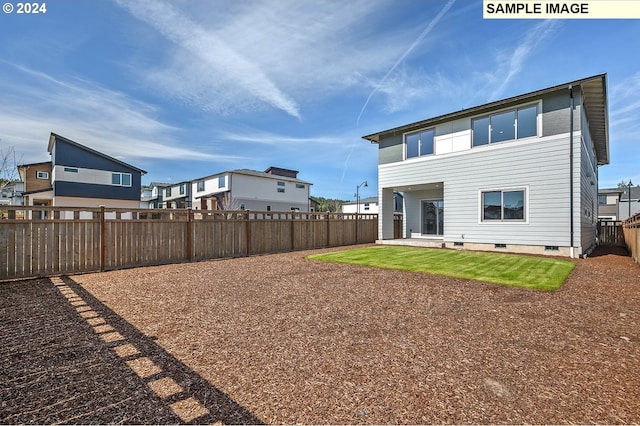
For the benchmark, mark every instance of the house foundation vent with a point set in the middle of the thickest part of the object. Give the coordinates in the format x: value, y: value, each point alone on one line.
x: 551, y: 248
x: 458, y: 244
x: 500, y: 246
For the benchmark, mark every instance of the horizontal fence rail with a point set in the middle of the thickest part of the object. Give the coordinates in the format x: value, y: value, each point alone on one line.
x: 631, y: 231
x: 42, y: 241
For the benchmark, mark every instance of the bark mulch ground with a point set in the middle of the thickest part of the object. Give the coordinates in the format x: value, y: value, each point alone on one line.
x: 283, y: 339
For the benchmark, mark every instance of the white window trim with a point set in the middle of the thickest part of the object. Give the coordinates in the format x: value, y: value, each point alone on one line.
x: 43, y: 175
x: 524, y: 188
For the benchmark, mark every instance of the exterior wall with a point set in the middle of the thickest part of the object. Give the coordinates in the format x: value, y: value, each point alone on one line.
x: 95, y: 202
x: 32, y: 183
x: 539, y: 165
x: 211, y: 186
x: 588, y: 181
x: 623, y: 208
x: 93, y: 183
x: 257, y: 193
x: 176, y: 199
x: 412, y: 226
x: 353, y: 208
x: 453, y: 136
x: 93, y: 176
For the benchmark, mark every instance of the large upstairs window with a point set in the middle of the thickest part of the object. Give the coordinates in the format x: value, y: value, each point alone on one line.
x: 419, y: 143
x: 518, y: 123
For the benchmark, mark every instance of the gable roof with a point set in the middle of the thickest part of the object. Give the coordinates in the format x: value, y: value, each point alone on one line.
x: 52, y: 140
x: 594, y: 92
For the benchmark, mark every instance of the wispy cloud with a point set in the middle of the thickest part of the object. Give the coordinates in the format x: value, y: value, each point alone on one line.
x: 406, y: 53
x: 510, y: 65
x: 35, y: 103
x: 229, y: 57
x: 211, y: 51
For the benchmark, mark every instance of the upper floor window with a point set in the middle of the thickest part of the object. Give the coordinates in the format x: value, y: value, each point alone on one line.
x: 221, y: 181
x: 602, y: 200
x: 280, y: 189
x: 504, y: 126
x: 168, y: 192
x: 300, y: 186
x: 280, y: 183
x: 42, y: 175
x: 182, y: 189
x: 121, y: 179
x: 200, y: 186
x: 71, y: 170
x: 419, y: 143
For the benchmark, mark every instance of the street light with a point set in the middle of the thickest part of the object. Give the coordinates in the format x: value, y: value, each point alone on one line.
x: 365, y: 184
x: 629, y: 197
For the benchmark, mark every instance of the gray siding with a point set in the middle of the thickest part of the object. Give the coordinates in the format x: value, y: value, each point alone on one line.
x: 539, y: 165
x: 555, y: 112
x: 554, y: 121
x: 391, y: 149
x: 588, y: 181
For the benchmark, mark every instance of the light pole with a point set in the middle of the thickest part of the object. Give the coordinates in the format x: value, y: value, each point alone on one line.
x: 629, y: 197
x: 358, y: 195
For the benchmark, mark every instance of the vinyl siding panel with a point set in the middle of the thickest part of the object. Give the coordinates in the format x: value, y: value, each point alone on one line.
x: 540, y: 165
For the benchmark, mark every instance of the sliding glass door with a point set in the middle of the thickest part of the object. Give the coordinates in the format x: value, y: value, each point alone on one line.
x: 433, y: 217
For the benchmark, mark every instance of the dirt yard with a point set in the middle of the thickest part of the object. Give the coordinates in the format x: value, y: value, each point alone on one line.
x: 282, y: 339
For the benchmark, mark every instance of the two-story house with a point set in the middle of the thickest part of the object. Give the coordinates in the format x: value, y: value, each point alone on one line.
x: 608, y: 203
x: 518, y: 174
x: 78, y: 176
x: 177, y: 196
x: 275, y: 189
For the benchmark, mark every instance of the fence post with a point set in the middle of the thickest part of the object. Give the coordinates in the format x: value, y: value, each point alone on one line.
x: 293, y: 227
x: 357, y: 228
x: 248, y: 231
x: 103, y: 243
x: 328, y: 229
x: 189, y: 235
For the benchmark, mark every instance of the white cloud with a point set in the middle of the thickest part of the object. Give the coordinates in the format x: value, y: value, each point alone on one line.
x: 212, y: 51
x: 227, y: 57
x: 34, y: 104
x: 510, y: 65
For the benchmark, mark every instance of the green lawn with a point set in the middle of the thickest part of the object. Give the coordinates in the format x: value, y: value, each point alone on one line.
x: 539, y: 273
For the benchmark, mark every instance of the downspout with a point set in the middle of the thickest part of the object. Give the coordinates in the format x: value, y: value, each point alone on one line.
x: 571, y: 202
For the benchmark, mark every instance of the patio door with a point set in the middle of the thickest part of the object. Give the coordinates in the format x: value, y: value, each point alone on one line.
x: 433, y: 217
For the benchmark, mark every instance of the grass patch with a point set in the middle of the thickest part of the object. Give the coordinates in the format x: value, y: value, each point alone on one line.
x: 538, y: 273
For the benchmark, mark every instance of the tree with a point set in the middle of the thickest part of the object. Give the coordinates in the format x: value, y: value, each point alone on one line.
x: 8, y: 166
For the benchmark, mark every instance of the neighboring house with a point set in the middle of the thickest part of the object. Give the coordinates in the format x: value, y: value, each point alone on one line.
x: 11, y: 194
x: 629, y: 204
x: 36, y: 179
x: 609, y: 203
x: 370, y: 205
x: 314, y: 204
x: 367, y: 205
x: 78, y: 176
x: 275, y: 189
x: 518, y: 174
x: 177, y: 196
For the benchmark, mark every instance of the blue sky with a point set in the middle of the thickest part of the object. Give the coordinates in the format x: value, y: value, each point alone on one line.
x: 184, y: 89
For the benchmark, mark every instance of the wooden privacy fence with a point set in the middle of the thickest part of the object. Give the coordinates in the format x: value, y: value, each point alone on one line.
x: 631, y: 230
x: 610, y: 233
x: 42, y: 241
